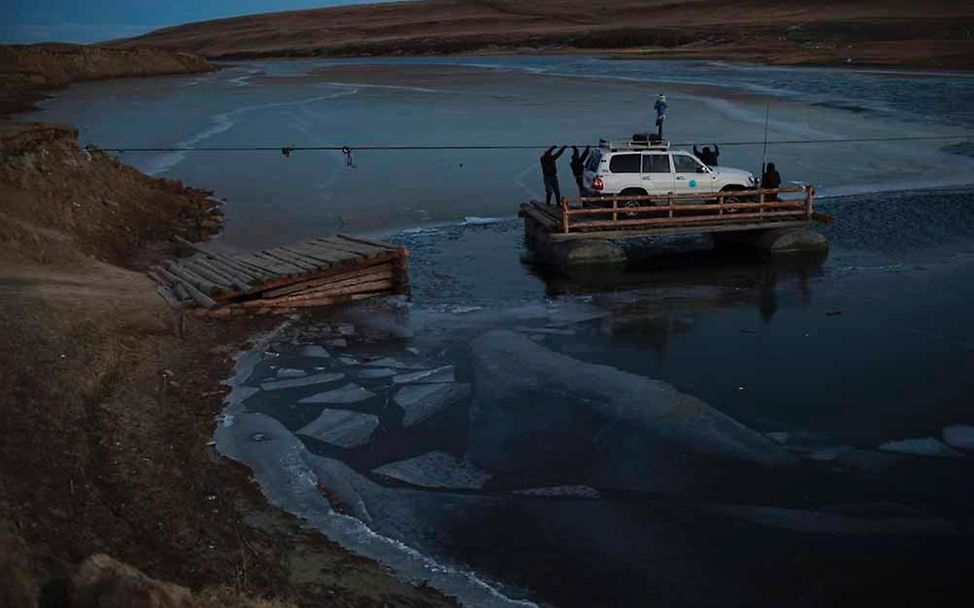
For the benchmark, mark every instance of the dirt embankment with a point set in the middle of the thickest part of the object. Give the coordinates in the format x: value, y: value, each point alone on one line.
x: 27, y: 72
x: 932, y: 34
x: 105, y: 416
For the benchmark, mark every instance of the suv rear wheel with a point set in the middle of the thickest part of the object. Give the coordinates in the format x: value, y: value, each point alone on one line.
x: 632, y: 202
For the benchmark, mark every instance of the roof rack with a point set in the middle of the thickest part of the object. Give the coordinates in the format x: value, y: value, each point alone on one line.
x: 638, y: 142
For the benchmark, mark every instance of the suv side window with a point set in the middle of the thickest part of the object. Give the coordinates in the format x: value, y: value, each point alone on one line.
x: 624, y: 163
x: 656, y: 163
x: 686, y: 164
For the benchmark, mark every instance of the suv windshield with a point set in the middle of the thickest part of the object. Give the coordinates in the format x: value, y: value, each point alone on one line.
x: 687, y: 164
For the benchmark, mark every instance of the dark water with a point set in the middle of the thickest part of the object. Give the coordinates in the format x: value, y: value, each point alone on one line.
x: 874, y: 343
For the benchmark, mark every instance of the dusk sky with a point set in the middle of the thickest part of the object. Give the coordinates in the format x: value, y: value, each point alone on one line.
x: 98, y: 20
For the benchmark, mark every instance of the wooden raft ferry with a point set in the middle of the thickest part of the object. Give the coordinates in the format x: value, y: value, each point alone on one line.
x: 590, y: 229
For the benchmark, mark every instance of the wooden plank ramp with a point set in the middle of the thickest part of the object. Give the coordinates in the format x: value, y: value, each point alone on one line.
x: 322, y: 271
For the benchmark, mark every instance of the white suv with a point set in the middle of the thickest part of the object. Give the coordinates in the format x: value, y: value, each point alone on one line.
x: 639, y: 168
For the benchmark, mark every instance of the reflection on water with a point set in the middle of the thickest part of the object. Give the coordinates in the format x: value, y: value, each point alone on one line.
x: 732, y: 279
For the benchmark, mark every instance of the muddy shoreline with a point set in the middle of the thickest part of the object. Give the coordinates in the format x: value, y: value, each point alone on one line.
x: 108, y: 416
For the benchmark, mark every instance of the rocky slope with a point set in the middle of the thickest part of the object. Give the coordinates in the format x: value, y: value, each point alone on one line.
x: 938, y: 33
x: 105, y: 414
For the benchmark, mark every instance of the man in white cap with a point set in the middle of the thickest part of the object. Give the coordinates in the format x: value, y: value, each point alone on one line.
x: 660, y: 108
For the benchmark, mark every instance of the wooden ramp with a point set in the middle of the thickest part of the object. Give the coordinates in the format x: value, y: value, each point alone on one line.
x: 318, y: 272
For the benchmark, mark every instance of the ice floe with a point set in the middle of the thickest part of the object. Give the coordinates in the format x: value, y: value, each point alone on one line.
x: 342, y: 428
x: 427, y: 376
x: 337, y: 343
x: 287, y: 372
x: 348, y: 360
x: 375, y: 372
x: 389, y: 362
x: 546, y: 330
x: 648, y: 434
x: 350, y: 393
x: 292, y: 479
x: 436, y: 470
x: 315, y: 351
x: 561, y: 492
x: 242, y: 393
x: 313, y: 379
x: 829, y: 453
x: 960, y: 436
x: 420, y: 401
x: 924, y: 446
x: 473, y: 220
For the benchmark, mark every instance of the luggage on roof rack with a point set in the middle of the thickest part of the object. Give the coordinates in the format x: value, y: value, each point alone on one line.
x: 646, y: 138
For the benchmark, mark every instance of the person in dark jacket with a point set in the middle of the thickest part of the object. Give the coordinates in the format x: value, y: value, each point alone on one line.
x: 707, y: 156
x: 578, y: 167
x: 771, y: 180
x: 549, y: 169
x: 660, y: 107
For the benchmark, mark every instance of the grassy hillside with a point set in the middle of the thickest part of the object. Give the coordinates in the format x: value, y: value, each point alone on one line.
x: 937, y: 33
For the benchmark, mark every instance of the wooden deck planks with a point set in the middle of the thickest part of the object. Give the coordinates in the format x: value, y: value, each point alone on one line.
x: 316, y: 272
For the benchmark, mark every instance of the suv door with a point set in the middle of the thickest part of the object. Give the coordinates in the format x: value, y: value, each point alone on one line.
x: 623, y: 173
x: 691, y: 176
x: 657, y: 177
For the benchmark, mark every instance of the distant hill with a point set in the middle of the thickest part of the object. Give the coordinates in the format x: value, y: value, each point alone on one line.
x: 29, y: 71
x: 932, y: 33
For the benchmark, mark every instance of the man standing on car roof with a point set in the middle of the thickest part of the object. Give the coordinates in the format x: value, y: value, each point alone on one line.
x: 578, y: 167
x: 549, y: 169
x: 660, y: 108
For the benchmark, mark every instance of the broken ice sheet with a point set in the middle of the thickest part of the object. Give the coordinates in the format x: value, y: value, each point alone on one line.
x: 436, y: 470
x: 348, y: 360
x: 315, y: 351
x: 427, y: 376
x: 306, y: 381
x: 561, y: 492
x: 350, y: 393
x: 287, y: 372
x: 337, y: 343
x: 960, y: 436
x: 829, y: 453
x: 420, y: 401
x: 343, y: 428
x: 924, y: 446
x: 376, y: 372
x: 389, y: 362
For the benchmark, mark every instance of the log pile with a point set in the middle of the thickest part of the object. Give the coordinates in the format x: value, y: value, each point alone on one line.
x: 318, y: 272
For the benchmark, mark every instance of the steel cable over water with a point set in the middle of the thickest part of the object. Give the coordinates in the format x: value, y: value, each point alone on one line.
x: 346, y: 149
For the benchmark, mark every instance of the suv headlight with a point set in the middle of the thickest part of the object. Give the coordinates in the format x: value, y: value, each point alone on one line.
x: 751, y: 180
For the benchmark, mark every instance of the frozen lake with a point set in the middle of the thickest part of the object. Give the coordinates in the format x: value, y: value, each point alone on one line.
x: 699, y: 431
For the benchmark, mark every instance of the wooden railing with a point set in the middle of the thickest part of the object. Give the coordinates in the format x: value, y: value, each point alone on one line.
x: 670, y: 210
